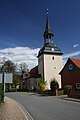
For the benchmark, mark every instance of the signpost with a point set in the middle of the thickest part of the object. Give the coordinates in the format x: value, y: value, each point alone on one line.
x: 5, y: 78
x: 0, y: 77
x: 8, y: 77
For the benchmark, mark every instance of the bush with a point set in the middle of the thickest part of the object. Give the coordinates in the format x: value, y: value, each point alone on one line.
x: 1, y: 86
x: 67, y: 89
x: 1, y: 95
x: 13, y: 90
x: 54, y: 85
x: 61, y: 92
x: 42, y: 85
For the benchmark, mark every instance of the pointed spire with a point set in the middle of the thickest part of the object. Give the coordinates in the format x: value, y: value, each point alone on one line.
x: 47, y: 32
x: 47, y: 23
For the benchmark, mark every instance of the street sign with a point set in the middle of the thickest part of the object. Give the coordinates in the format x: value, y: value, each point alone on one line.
x: 0, y: 78
x: 8, y: 78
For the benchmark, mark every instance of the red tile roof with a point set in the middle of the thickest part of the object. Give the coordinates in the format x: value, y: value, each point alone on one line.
x: 76, y: 61
x: 34, y: 73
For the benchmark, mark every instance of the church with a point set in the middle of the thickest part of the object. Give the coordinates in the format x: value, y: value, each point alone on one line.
x: 49, y: 60
x: 49, y: 57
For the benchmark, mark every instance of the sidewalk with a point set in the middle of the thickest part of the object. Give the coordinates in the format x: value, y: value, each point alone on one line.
x: 71, y: 99
x: 65, y: 97
x: 9, y: 110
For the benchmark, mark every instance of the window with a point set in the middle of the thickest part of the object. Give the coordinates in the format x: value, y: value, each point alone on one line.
x: 54, y: 67
x: 52, y: 49
x: 53, y: 57
x: 70, y: 66
x: 78, y: 85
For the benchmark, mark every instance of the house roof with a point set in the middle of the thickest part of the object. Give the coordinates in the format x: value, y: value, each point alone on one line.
x: 34, y: 73
x: 76, y: 61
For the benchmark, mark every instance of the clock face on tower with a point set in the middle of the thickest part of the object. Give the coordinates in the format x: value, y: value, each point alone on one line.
x: 52, y: 49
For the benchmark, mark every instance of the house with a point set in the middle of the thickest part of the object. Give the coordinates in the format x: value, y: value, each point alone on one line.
x: 70, y: 74
x: 33, y: 79
x: 23, y: 81
x: 29, y: 80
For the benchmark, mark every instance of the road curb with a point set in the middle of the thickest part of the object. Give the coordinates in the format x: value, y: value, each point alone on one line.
x: 19, y: 107
x: 71, y: 99
x: 25, y: 112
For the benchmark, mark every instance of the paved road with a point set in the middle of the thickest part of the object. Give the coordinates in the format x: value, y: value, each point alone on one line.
x: 48, y: 108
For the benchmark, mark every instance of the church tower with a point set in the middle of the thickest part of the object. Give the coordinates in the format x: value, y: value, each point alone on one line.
x: 49, y: 57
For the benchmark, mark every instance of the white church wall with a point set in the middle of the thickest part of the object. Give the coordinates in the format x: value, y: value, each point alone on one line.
x: 52, y: 68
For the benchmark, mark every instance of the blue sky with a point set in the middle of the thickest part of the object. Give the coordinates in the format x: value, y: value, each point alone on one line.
x: 22, y: 23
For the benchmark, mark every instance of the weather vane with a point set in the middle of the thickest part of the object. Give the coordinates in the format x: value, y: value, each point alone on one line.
x: 47, y: 11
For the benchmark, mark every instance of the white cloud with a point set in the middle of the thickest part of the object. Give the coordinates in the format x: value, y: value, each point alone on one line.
x: 21, y: 54
x: 76, y: 45
x: 28, y: 55
x: 71, y: 54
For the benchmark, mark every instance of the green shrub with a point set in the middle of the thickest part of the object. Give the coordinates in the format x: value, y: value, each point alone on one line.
x: 0, y: 86
x: 54, y: 85
x: 1, y: 95
x: 13, y: 90
x: 67, y: 89
x: 61, y: 92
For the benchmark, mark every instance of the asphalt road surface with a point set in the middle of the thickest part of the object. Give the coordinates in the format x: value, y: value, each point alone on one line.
x: 47, y: 108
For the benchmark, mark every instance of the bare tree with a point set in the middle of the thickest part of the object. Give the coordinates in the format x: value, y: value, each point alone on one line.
x: 8, y: 66
x: 23, y: 67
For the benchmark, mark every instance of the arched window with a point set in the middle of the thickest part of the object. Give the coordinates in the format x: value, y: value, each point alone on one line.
x: 70, y: 66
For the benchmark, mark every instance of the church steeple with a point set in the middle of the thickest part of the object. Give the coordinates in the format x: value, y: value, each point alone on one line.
x: 48, y: 35
x: 49, y: 57
x: 49, y: 47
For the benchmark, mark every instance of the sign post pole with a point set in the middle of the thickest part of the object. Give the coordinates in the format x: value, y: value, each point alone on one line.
x: 3, y: 87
